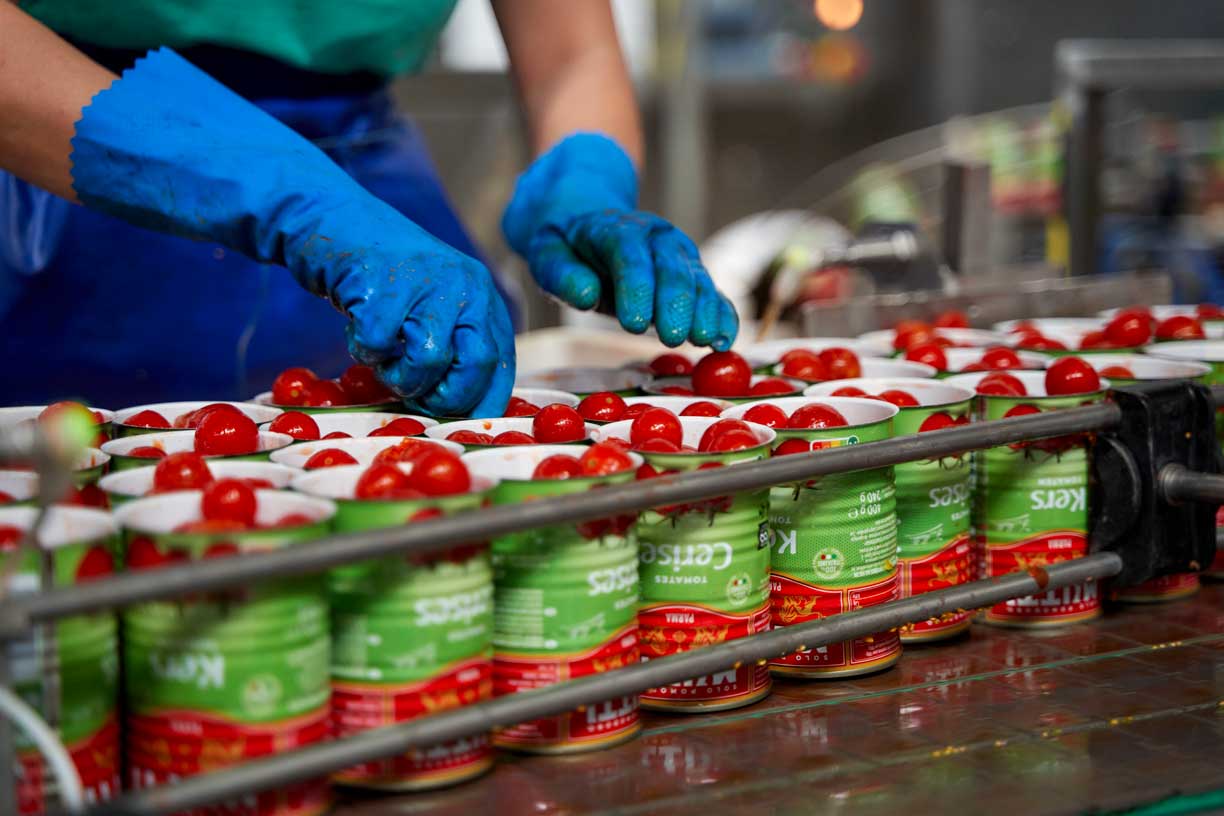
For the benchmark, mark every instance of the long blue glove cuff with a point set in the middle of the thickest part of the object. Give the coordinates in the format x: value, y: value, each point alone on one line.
x: 582, y: 173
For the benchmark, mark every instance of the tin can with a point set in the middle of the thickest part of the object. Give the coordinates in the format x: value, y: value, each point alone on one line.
x: 933, y: 503
x: 213, y: 679
x: 565, y: 603
x: 705, y: 576
x: 1031, y: 508
x: 1146, y: 369
x: 79, y: 543
x: 409, y: 637
x: 22, y: 414
x: 835, y: 542
x: 172, y: 411
x: 119, y: 450
x: 20, y: 486
x: 1210, y: 353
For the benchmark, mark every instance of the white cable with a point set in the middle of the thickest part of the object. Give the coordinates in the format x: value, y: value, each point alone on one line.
x: 68, y: 781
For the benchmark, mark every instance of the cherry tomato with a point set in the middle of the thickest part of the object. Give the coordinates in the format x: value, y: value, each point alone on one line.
x: 325, y: 394
x: 1096, y: 340
x: 733, y: 440
x: 438, y: 472
x: 228, y: 500
x: 222, y: 433
x: 142, y: 553
x: 1129, y: 330
x: 908, y: 331
x: 294, y: 520
x: 558, y: 423
x: 7, y: 498
x: 677, y: 391
x: 656, y: 422
x: 1071, y: 375
x: 289, y: 387
x: 719, y: 428
x: 1117, y: 372
x: 848, y: 391
x: 978, y: 366
x: 147, y: 452
x: 701, y: 408
x: 1209, y: 311
x: 771, y: 416
x: 952, y: 319
x: 1038, y: 342
x: 1024, y: 409
x: 513, y: 438
x: 1000, y: 359
x: 804, y: 364
x: 899, y: 398
x: 603, y: 406
x: 258, y: 484
x: 338, y: 435
x: 771, y: 386
x: 792, y: 446
x: 382, y: 480
x: 1142, y: 312
x: 147, y: 419
x: 937, y: 422
x: 841, y: 363
x: 518, y: 407
x: 406, y: 450
x: 466, y: 437
x: 1001, y: 384
x: 87, y: 496
x: 58, y: 409
x: 603, y: 458
x: 671, y: 365
x: 96, y: 563
x: 816, y: 415
x: 635, y: 410
x: 558, y: 466
x: 657, y: 444
x: 181, y: 471
x: 928, y: 353
x: 362, y: 386
x: 222, y: 549
x: 404, y: 426
x: 10, y: 537
x: 722, y: 374
x: 329, y: 457
x: 298, y: 425
x: 1179, y: 327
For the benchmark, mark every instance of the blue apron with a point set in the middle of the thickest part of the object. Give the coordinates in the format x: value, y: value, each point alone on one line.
x: 95, y: 309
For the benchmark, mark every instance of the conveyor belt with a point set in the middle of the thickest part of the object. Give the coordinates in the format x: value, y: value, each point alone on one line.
x: 1121, y: 712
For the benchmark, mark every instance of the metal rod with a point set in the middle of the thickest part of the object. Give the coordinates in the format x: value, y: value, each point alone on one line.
x: 1177, y: 484
x: 325, y: 758
x: 18, y: 614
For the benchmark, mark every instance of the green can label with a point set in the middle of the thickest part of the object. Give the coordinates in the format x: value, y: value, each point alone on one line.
x: 835, y: 550
x: 1031, y: 510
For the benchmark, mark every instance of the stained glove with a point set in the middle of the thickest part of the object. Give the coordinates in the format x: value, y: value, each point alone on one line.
x: 573, y: 217
x: 169, y: 148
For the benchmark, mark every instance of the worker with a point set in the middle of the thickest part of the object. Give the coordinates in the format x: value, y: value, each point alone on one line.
x: 174, y: 119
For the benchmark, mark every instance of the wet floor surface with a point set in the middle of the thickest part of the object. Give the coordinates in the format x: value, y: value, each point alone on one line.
x: 1126, y: 710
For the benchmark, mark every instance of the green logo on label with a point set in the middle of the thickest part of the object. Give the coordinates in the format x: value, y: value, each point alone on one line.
x: 828, y: 563
x: 739, y: 587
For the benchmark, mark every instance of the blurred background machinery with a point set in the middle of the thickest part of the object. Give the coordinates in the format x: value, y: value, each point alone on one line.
x: 782, y: 132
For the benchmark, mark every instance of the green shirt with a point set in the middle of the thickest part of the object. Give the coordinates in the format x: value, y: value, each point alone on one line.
x: 388, y: 37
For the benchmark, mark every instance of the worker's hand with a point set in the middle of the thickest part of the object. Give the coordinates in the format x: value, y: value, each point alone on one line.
x: 573, y: 218
x: 168, y: 148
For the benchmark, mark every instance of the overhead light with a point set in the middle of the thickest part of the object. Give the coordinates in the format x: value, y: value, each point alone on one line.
x: 839, y: 15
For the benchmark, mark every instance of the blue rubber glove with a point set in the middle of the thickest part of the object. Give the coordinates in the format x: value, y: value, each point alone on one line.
x: 169, y: 148
x: 573, y: 217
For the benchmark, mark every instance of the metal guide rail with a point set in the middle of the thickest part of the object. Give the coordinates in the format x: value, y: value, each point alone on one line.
x: 1155, y: 483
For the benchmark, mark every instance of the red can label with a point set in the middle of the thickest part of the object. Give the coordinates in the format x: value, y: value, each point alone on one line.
x: 605, y: 722
x: 96, y: 759
x: 1164, y: 588
x: 797, y: 602
x: 951, y: 566
x: 1056, y: 606
x: 302, y: 799
x: 676, y: 627
x: 361, y: 706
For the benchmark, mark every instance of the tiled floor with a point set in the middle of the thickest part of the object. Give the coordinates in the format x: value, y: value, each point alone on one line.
x: 1124, y: 711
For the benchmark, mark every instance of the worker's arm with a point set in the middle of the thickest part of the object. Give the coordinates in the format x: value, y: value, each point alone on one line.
x: 168, y: 148
x: 574, y: 214
x: 44, y: 84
